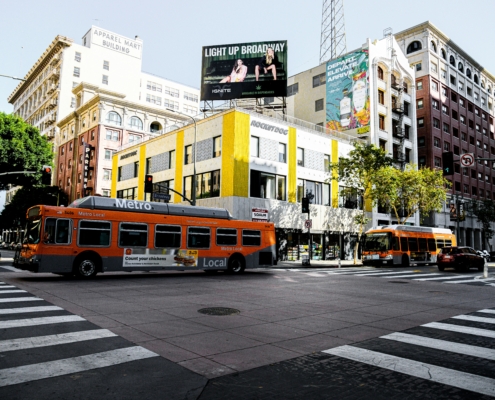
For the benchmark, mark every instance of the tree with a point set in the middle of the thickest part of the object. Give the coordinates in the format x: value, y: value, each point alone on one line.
x: 14, y: 213
x: 485, y: 214
x: 410, y: 191
x: 22, y: 148
x: 356, y: 173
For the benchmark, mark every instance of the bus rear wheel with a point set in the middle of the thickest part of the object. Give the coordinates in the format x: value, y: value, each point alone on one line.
x: 86, y: 267
x: 236, y: 265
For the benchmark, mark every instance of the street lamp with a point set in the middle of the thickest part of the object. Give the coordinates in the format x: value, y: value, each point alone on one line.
x: 193, y: 200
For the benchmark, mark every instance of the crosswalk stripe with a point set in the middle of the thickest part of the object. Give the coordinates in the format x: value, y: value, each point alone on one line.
x: 438, y: 344
x: 29, y: 309
x: 461, y: 329
x: 12, y: 291
x: 6, y: 286
x: 409, y: 276
x: 446, y: 376
x: 20, y: 323
x: 443, y: 277
x: 475, y: 319
x: 52, y: 340
x: 474, y: 280
x: 487, y: 311
x: 28, y: 373
x: 13, y: 269
x: 19, y: 299
x: 385, y: 273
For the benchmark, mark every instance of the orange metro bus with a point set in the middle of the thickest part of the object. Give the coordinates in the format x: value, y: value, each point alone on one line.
x: 99, y: 234
x: 404, y: 245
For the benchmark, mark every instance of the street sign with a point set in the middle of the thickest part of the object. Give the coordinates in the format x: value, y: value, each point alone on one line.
x: 259, y: 214
x: 308, y: 223
x: 161, y: 196
x: 467, y: 159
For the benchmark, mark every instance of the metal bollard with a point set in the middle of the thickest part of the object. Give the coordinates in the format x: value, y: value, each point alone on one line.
x: 485, y: 270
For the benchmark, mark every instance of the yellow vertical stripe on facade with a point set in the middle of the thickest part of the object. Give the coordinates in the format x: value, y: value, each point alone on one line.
x: 234, y: 179
x: 179, y: 162
x: 142, y: 171
x: 292, y: 165
x: 115, y: 169
x: 335, y: 183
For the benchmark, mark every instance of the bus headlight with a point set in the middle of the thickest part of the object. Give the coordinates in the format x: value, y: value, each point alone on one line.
x: 387, y: 257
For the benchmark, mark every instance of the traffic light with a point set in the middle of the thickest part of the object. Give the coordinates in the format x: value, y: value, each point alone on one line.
x: 305, y: 205
x: 46, y: 175
x: 448, y: 163
x: 148, y: 184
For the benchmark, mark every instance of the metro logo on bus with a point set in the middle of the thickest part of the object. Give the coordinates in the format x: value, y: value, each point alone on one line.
x: 132, y: 204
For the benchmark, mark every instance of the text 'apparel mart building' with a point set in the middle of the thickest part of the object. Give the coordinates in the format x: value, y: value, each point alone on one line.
x: 255, y: 166
x: 368, y: 93
x: 455, y: 106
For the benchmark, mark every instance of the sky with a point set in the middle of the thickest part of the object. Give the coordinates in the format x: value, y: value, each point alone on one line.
x: 174, y: 31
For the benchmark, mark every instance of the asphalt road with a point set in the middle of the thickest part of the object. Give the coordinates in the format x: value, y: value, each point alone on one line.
x: 287, y: 333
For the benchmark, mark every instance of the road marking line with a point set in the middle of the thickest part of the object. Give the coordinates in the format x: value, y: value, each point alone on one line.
x: 12, y: 291
x: 29, y: 309
x: 487, y: 310
x: 475, y: 319
x: 18, y: 299
x: 28, y: 373
x: 411, y: 276
x: 52, y: 340
x: 19, y: 323
x: 445, y: 345
x: 6, y: 286
x: 446, y: 376
x: 461, y: 329
x: 474, y: 280
x: 443, y: 277
x: 387, y: 273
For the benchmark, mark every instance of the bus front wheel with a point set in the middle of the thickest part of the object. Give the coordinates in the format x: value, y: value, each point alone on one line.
x: 405, y: 261
x: 236, y: 265
x: 86, y: 267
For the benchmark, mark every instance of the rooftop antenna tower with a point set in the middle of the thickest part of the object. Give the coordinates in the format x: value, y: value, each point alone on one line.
x: 332, y: 43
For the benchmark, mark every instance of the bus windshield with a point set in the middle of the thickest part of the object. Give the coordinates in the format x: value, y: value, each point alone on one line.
x: 377, y: 241
x: 33, y: 231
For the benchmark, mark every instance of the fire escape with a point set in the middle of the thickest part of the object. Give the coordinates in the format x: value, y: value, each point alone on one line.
x: 398, y: 131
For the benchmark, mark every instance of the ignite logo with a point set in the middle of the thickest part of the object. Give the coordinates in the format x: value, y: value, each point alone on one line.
x: 221, y: 89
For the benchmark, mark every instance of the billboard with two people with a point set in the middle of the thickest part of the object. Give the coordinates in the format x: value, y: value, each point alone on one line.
x: 347, y: 93
x: 244, y: 70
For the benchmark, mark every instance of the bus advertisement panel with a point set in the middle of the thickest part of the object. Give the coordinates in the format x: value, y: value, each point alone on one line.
x: 98, y: 234
x: 244, y: 70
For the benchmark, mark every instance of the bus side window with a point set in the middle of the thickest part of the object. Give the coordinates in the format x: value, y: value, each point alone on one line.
x: 448, y: 243
x: 440, y: 243
x: 94, y: 233
x: 395, y: 243
x: 422, y: 244
x: 251, y: 238
x: 133, y: 235
x: 198, y: 238
x: 49, y: 230
x: 432, y: 246
x: 413, y: 244
x: 403, y: 244
x: 62, y: 234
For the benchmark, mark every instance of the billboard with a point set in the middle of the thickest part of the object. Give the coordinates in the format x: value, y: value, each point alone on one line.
x: 347, y: 92
x: 244, y: 70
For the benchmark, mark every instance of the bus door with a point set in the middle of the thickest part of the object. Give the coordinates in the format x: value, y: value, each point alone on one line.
x: 57, y: 254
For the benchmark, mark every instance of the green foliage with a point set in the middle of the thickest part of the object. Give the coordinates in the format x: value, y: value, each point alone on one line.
x: 409, y: 191
x: 22, y: 148
x: 485, y: 214
x: 28, y: 196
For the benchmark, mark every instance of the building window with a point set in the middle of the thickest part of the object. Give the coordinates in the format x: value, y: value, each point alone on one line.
x: 421, y: 141
x: 94, y: 115
x: 72, y: 102
x: 174, y: 105
x: 106, y: 65
x: 438, y: 162
x: 171, y: 91
x: 381, y: 97
x: 133, y: 138
x: 446, y: 146
x: 420, y: 104
x: 255, y: 146
x: 135, y: 123
x: 452, y: 79
x: 292, y: 89
x: 282, y: 152
x: 107, y: 174
x: 461, y: 102
x: 112, y: 135
x: 414, y: 46
x: 300, y: 157
x: 319, y: 105
x: 434, y: 68
x: 207, y: 185
x: 381, y: 122
x: 151, y: 98
x: 433, y: 46
x: 445, y: 109
x: 319, y: 80
x: 436, y: 142
x: 129, y: 194
x: 418, y: 66
x: 217, y: 146
x: 476, y: 79
x: 419, y: 85
x: 104, y: 79
x: 463, y: 119
x: 379, y: 71
x: 191, y: 97
x: 434, y: 86
x: 153, y: 86
x: 77, y: 72
x: 114, y: 118
x: 435, y: 104
x: 454, y: 115
x: 422, y: 161
x: 436, y: 123
x: 188, y: 155
x: 267, y: 186
x: 108, y: 154
x: 77, y: 57
x: 443, y: 74
x: 469, y: 91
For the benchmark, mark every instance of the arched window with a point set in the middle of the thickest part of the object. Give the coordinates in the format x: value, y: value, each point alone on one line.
x: 155, y: 127
x: 136, y: 123
x: 405, y: 87
x: 433, y: 46
x: 414, y: 46
x: 114, y: 118
x: 483, y: 84
x: 452, y: 61
x: 476, y: 80
x: 489, y: 89
x: 468, y: 73
x: 460, y: 67
x: 380, y: 72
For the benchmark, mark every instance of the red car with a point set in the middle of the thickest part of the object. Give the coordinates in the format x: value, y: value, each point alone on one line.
x: 461, y: 258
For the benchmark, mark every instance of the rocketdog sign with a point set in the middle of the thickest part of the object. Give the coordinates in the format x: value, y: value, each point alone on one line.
x: 259, y: 215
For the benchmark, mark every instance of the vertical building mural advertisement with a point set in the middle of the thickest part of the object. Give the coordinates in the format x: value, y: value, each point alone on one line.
x: 347, y: 93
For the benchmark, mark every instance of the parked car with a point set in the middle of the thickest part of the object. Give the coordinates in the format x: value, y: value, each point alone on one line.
x: 461, y: 258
